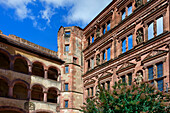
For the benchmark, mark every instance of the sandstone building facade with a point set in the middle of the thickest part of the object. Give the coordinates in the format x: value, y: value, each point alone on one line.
x: 129, y: 41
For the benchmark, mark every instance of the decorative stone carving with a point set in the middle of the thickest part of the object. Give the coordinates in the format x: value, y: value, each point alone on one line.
x: 139, y: 36
x: 138, y: 3
x: 98, y: 59
x: 29, y: 106
x: 139, y: 78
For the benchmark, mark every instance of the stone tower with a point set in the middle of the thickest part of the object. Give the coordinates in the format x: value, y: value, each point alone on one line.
x: 70, y: 50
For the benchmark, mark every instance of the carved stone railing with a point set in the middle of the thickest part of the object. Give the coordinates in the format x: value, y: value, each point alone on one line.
x: 35, y: 46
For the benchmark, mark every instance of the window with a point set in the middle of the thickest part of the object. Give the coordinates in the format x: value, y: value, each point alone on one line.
x: 150, y: 73
x: 88, y: 41
x: 130, y: 42
x: 160, y: 85
x: 123, y: 45
x: 66, y: 69
x: 104, y: 29
x: 129, y: 9
x: 67, y: 34
x: 159, y: 23
x: 66, y: 104
x: 108, y: 85
x: 108, y: 25
x: 103, y: 85
x: 104, y: 55
x: 88, y: 64
x: 92, y: 38
x: 159, y: 70
x: 123, y: 79
x: 123, y: 14
x: 74, y: 60
x: 88, y: 91
x: 129, y: 78
x: 92, y: 63
x: 91, y: 91
x: 108, y: 54
x: 150, y: 31
x: 66, y: 48
x: 66, y: 86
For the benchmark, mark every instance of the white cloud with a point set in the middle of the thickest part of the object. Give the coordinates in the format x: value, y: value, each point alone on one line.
x: 20, y: 7
x: 80, y: 12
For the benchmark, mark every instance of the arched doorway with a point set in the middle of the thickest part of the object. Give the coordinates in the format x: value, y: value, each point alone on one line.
x: 52, y: 73
x: 38, y: 69
x: 4, y: 61
x: 37, y: 93
x: 20, y: 65
x: 3, y: 88
x: 20, y: 91
x: 52, y: 95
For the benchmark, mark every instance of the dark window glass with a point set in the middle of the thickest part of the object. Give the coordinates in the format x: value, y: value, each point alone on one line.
x: 104, y: 55
x: 92, y: 38
x: 160, y: 85
x: 130, y: 42
x: 92, y: 91
x: 66, y: 87
x: 108, y: 54
x: 130, y: 78
x: 159, y: 24
x: 104, y: 30
x: 66, y: 69
x: 150, y: 31
x: 66, y: 103
x: 123, y: 45
x: 129, y: 9
x: 123, y: 79
x: 150, y: 73
x: 66, y: 48
x: 159, y: 70
x: 108, y: 85
x: 123, y: 14
x: 108, y: 25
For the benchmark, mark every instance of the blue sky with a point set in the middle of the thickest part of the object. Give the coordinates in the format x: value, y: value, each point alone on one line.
x: 39, y: 20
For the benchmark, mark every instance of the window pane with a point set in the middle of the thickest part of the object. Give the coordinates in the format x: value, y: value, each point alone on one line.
x: 104, y: 30
x: 108, y: 54
x: 92, y: 38
x: 88, y: 41
x: 150, y: 31
x: 104, y: 55
x: 129, y: 10
x: 159, y: 25
x: 130, y: 78
x: 66, y: 69
x: 92, y: 91
x: 88, y: 91
x: 67, y: 34
x: 123, y: 45
x: 130, y: 42
x: 123, y: 14
x: 108, y: 26
x: 160, y: 85
x: 67, y: 48
x: 159, y: 70
x: 150, y: 73
x: 66, y: 87
x: 108, y: 85
x: 123, y: 79
x: 66, y: 104
x: 103, y: 84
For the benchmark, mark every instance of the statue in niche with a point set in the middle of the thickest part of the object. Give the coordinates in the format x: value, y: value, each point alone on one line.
x: 139, y: 78
x: 98, y: 32
x: 98, y: 59
x: 139, y: 37
x: 138, y: 3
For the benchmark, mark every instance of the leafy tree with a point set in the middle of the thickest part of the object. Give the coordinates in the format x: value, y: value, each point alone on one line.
x: 143, y: 98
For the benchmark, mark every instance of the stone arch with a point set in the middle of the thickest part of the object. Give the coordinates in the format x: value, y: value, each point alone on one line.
x: 37, y: 92
x: 42, y: 111
x: 53, y: 73
x: 20, y: 90
x: 20, y: 81
x: 10, y: 109
x: 4, y: 87
x: 5, y: 59
x: 21, y: 64
x: 52, y: 95
x: 38, y: 69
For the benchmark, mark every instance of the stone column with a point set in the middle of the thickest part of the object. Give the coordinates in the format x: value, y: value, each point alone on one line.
x: 146, y: 33
x: 126, y: 11
x: 10, y: 93
x: 29, y: 94
x: 133, y: 6
x: 155, y: 28
x: 45, y: 96
x: 126, y: 43
x: 45, y: 73
x: 11, y: 65
x: 30, y: 69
